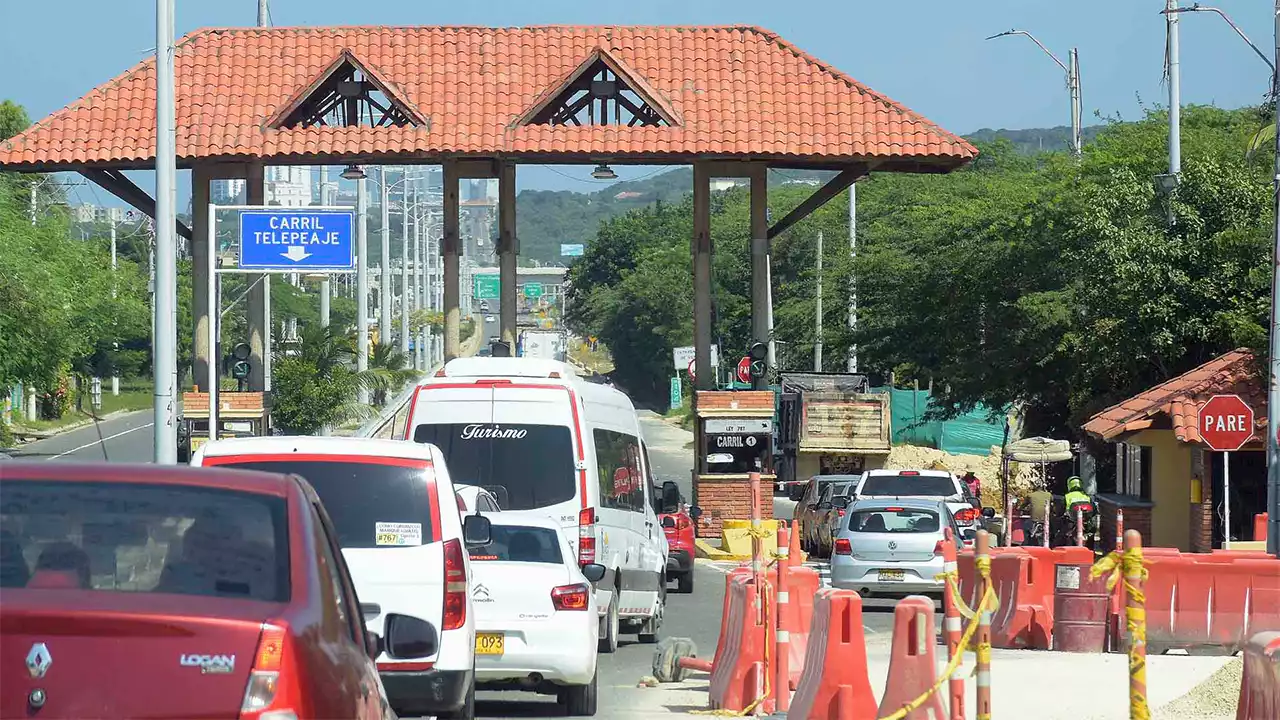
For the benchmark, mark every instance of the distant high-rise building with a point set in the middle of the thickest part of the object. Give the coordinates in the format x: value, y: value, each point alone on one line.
x: 227, y: 192
x: 288, y: 185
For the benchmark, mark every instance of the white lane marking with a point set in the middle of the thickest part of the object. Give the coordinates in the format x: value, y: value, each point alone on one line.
x: 99, y: 442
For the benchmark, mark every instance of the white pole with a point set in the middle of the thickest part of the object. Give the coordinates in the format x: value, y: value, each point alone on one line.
x: 1226, y: 501
x: 1273, y: 387
x: 164, y: 354
x: 215, y: 314
x: 362, y: 282
x: 1073, y: 79
x: 405, y: 307
x: 326, y: 288
x: 115, y: 376
x: 1175, y: 92
x: 384, y: 276
x: 853, y: 282
x: 817, y: 313
x: 262, y: 13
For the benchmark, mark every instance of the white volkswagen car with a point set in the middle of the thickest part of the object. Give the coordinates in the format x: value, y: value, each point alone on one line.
x: 474, y: 499
x: 536, y: 627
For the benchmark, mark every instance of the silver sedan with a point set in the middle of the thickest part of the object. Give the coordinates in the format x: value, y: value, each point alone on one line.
x: 891, y: 546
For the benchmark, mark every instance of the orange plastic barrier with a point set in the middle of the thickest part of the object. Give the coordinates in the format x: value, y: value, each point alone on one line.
x: 1260, y: 684
x: 1210, y: 603
x: 802, y: 586
x: 738, y: 674
x: 1260, y: 527
x: 742, y: 572
x: 1024, y: 581
x: 835, y: 684
x: 913, y: 668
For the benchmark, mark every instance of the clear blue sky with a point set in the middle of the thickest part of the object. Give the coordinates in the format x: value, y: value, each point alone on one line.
x: 927, y: 54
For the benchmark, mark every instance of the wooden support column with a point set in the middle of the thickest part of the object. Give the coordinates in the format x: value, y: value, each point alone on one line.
x: 449, y: 249
x: 258, y: 313
x: 200, y: 350
x: 761, y: 295
x: 704, y: 378
x: 508, y: 252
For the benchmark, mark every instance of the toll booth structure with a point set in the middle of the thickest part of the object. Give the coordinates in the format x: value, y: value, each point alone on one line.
x: 240, y: 414
x: 733, y: 437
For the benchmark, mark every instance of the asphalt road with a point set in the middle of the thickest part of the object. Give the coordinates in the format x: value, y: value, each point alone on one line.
x: 123, y: 438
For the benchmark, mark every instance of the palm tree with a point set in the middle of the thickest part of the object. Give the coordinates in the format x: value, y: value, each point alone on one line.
x: 315, y: 383
x: 389, y: 370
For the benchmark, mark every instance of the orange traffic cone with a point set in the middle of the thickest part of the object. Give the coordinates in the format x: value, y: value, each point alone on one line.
x: 795, y: 558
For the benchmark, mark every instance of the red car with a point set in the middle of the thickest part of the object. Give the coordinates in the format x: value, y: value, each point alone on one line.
x: 173, y: 592
x: 677, y: 525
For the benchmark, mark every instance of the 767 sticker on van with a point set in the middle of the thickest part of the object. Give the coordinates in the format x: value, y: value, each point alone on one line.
x: 397, y: 534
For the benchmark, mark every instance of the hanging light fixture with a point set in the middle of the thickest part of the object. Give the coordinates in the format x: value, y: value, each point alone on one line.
x: 604, y: 172
x: 353, y: 172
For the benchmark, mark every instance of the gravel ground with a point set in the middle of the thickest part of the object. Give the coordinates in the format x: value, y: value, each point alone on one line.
x: 1214, y: 699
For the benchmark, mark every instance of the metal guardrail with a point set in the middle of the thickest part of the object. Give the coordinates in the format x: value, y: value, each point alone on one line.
x: 376, y: 426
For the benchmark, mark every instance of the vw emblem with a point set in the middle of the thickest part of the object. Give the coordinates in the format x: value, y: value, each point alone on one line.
x: 893, y: 544
x: 38, y: 660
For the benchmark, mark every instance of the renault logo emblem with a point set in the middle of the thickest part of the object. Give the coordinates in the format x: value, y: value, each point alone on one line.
x: 39, y: 660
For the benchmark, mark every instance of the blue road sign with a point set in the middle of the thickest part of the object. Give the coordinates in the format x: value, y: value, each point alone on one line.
x: 297, y: 239
x: 571, y: 249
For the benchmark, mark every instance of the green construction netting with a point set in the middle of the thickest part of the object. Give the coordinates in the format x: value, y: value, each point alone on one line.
x: 972, y: 433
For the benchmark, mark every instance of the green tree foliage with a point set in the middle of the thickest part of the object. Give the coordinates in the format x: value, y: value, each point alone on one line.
x: 1042, y: 281
x: 314, y: 382
x: 57, y: 309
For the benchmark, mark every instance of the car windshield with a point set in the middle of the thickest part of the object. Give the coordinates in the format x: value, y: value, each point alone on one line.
x: 901, y: 485
x: 533, y: 465
x: 520, y: 543
x: 371, y: 504
x: 144, y: 538
x: 841, y: 490
x: 893, y: 520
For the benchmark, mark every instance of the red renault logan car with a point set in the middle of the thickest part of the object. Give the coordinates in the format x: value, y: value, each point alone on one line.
x: 173, y: 592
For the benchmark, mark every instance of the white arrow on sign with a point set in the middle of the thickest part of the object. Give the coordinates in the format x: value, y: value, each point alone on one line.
x: 296, y: 253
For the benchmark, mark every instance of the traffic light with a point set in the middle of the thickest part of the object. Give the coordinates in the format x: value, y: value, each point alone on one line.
x: 241, y: 368
x: 759, y: 354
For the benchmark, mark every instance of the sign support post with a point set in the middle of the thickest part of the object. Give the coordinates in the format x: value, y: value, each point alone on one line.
x: 1226, y: 500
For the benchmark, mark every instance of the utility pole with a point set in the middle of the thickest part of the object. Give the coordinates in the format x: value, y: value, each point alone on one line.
x: 115, y: 376
x: 362, y: 281
x: 853, y: 276
x: 384, y: 274
x: 164, y: 353
x: 1273, y: 387
x: 1172, y: 65
x: 418, y: 297
x: 404, y: 263
x: 817, y: 314
x: 262, y: 13
x: 1073, y: 82
x: 34, y: 185
x: 326, y: 289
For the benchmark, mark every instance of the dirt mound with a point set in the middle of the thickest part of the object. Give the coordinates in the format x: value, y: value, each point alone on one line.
x: 1023, y: 478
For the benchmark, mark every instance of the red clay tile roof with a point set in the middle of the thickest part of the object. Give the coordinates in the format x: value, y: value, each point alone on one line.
x: 739, y: 92
x: 1181, y: 398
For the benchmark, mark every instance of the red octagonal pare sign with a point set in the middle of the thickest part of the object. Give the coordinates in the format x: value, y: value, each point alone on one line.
x: 1226, y: 422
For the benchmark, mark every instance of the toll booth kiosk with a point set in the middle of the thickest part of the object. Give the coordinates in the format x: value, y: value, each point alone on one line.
x: 732, y: 438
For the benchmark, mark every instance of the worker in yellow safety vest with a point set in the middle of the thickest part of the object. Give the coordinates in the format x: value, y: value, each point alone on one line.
x: 1075, y: 495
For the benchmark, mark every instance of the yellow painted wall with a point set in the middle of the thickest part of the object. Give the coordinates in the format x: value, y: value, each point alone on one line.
x: 1170, y: 489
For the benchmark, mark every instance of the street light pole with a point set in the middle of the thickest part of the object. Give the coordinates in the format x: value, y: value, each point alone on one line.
x: 1073, y: 83
x: 115, y: 376
x: 1173, y: 65
x: 326, y: 289
x: 164, y: 353
x: 1273, y: 387
x: 362, y: 282
x: 384, y: 274
x: 404, y: 264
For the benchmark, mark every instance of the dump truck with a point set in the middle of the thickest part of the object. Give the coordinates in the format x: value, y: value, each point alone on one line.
x: 829, y: 424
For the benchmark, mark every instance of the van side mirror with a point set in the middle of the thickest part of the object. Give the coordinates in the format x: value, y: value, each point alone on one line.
x: 593, y: 572
x: 372, y: 644
x: 695, y: 512
x: 410, y: 638
x: 476, y: 530
x: 670, y: 497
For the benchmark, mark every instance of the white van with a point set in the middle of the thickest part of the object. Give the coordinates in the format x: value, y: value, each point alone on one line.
x: 544, y: 439
x: 395, y: 512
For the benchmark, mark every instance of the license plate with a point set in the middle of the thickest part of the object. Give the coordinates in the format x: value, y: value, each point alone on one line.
x: 490, y: 643
x: 891, y: 576
x: 198, y: 442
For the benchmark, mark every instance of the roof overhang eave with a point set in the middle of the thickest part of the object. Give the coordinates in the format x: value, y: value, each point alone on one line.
x: 903, y: 164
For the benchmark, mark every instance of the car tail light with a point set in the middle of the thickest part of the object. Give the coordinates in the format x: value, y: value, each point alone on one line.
x: 966, y: 516
x: 909, y: 472
x: 272, y: 692
x: 894, y: 509
x: 571, y: 597
x: 455, y: 586
x: 587, y: 536
x: 840, y: 512
x: 462, y: 504
x: 843, y: 547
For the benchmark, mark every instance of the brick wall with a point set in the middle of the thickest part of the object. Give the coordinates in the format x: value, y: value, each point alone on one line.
x: 729, y: 498
x: 1136, y: 517
x: 1202, y: 512
x: 721, y: 401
